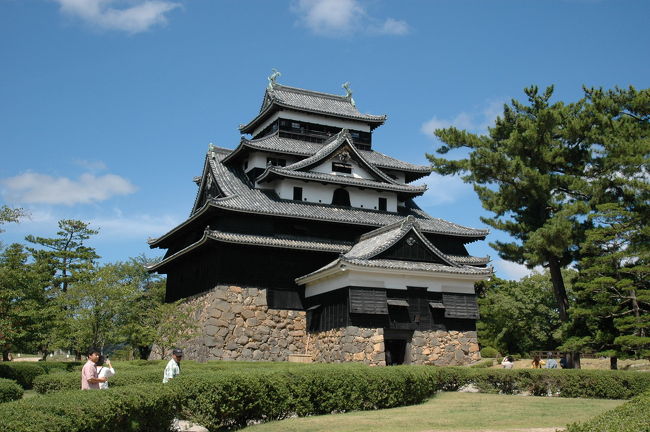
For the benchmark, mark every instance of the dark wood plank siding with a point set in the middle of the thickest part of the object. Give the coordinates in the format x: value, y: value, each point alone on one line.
x: 368, y: 301
x: 460, y: 306
x: 410, y: 248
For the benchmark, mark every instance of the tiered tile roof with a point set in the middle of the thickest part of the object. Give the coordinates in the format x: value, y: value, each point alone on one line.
x: 276, y: 144
x: 241, y: 196
x: 280, y: 96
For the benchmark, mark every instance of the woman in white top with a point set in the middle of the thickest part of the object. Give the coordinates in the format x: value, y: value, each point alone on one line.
x: 507, y: 363
x: 104, y: 370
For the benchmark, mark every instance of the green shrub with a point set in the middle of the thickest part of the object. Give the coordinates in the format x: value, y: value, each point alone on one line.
x: 54, y: 366
x: 136, y: 408
x: 632, y: 416
x: 235, y: 398
x: 489, y: 352
x: 21, y: 372
x: 10, y: 390
x: 72, y: 380
x: 566, y: 383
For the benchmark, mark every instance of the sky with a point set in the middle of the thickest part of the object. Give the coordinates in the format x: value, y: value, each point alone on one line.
x: 107, y: 107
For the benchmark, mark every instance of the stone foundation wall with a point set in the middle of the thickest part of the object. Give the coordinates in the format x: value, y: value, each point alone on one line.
x: 444, y: 348
x: 236, y: 324
x: 349, y: 344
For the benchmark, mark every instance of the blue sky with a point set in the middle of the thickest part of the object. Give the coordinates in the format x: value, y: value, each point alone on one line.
x: 108, y: 106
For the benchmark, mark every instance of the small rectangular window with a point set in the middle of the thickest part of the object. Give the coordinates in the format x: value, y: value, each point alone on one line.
x: 383, y: 204
x: 342, y: 167
x: 295, y: 125
x: 297, y: 193
x: 276, y: 162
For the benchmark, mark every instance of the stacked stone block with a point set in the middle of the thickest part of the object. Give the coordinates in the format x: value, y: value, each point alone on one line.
x: 236, y: 323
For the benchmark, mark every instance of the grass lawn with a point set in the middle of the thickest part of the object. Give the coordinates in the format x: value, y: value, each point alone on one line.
x: 453, y: 412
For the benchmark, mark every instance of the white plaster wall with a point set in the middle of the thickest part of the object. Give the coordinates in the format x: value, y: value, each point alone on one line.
x: 357, y: 170
x: 322, y: 194
x: 313, y: 118
x: 258, y: 159
x: 433, y: 283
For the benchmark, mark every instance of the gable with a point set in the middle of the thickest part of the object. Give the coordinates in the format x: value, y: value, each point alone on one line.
x: 411, y: 248
x: 208, y: 189
x: 337, y: 163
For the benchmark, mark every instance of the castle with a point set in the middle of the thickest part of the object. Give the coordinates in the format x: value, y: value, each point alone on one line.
x: 304, y: 241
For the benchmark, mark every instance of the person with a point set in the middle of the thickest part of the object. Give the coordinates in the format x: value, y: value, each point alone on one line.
x: 537, y: 362
x: 551, y: 363
x: 173, y: 368
x: 508, y: 362
x: 563, y: 362
x: 104, y: 370
x: 89, y: 378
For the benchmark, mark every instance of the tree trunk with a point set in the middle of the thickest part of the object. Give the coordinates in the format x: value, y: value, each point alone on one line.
x: 576, y: 360
x: 5, y: 355
x: 613, y: 362
x: 559, y: 291
x: 44, y: 356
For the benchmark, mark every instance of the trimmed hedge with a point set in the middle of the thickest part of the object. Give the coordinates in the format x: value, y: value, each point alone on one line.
x: 229, y: 397
x: 72, y: 380
x: 10, y: 390
x: 632, y: 416
x: 571, y: 383
x: 489, y: 352
x: 233, y: 399
x: 21, y: 372
x: 141, y: 408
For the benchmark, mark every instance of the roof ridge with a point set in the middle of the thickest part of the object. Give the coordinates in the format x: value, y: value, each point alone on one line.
x: 277, y: 86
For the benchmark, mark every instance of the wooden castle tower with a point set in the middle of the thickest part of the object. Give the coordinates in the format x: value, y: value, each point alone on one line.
x: 303, y: 240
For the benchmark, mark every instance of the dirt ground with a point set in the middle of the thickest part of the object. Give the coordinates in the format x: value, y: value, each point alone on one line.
x: 588, y: 363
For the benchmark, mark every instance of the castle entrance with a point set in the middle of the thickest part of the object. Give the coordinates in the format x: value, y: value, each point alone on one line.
x: 397, y: 345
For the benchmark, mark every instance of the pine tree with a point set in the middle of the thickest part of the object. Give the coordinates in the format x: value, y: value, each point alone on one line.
x: 529, y: 171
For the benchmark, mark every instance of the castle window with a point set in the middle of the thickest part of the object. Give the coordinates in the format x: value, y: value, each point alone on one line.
x: 341, y: 197
x: 276, y: 162
x: 297, y: 193
x: 295, y: 125
x: 342, y: 167
x: 383, y: 204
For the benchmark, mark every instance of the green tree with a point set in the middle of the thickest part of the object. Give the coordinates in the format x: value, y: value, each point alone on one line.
x: 25, y: 314
x: 95, y: 308
x: 175, y: 323
x: 69, y: 260
x: 148, y: 293
x: 8, y: 214
x: 611, y: 313
x: 612, y: 310
x: 518, y: 317
x: 529, y: 171
x: 67, y: 253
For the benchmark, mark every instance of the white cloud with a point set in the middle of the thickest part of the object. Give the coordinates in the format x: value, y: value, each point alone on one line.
x: 394, y: 27
x: 35, y: 188
x: 476, y: 121
x: 137, y: 16
x: 461, y: 121
x: 513, y: 271
x: 343, y: 17
x: 135, y: 226
x: 444, y: 190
